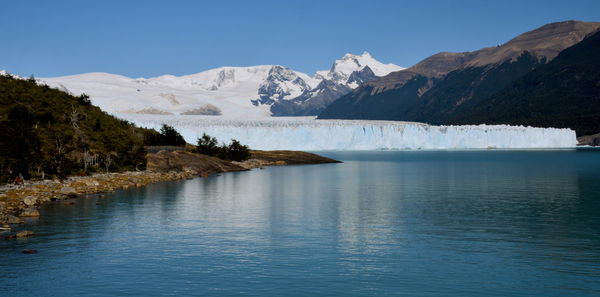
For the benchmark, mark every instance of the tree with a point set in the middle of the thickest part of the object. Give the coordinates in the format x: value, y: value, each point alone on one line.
x: 170, y: 136
x: 237, y: 152
x: 207, y: 145
x: 23, y: 147
x: 84, y: 99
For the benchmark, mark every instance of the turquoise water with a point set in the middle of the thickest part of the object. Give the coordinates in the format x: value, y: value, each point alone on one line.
x: 480, y: 223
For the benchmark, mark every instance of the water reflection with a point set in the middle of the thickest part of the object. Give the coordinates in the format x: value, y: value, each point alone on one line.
x: 416, y: 223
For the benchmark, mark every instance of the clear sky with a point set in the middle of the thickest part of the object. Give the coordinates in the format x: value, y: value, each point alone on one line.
x: 149, y: 38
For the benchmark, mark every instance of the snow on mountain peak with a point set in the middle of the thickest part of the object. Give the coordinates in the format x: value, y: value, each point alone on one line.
x: 365, y: 54
x: 282, y: 83
x: 342, y: 68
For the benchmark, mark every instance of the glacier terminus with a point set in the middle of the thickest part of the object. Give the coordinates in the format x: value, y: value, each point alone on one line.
x: 306, y: 133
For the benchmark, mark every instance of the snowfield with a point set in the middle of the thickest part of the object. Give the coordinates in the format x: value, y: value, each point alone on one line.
x: 306, y: 133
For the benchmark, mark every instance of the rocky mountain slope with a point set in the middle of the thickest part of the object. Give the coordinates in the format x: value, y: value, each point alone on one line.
x: 344, y: 75
x: 447, y: 84
x: 234, y: 92
x: 563, y: 93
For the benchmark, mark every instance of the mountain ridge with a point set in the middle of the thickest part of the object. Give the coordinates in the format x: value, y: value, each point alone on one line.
x: 567, y: 33
x: 250, y: 91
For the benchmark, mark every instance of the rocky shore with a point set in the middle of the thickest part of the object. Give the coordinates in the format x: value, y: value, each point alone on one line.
x: 22, y: 201
x: 591, y: 140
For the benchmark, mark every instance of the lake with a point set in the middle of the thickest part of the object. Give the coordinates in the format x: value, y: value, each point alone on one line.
x: 387, y: 223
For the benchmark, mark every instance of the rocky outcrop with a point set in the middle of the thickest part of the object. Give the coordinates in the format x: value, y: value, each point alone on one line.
x: 311, y: 102
x: 591, y: 140
x: 281, y: 84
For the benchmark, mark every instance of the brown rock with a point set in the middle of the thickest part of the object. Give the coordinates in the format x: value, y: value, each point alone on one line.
x: 30, y: 212
x: 68, y: 191
x: 30, y: 201
x: 25, y: 233
x: 29, y: 252
x: 10, y: 219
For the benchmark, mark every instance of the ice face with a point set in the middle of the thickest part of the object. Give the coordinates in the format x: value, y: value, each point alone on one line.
x: 315, y: 135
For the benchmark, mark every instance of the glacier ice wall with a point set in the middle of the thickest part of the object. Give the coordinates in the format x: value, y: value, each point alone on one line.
x: 314, y: 135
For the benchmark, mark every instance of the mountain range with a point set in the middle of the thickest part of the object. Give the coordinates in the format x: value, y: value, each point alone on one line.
x: 236, y: 92
x: 546, y: 77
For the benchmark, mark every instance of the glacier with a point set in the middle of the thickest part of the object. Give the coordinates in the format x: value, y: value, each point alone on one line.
x: 306, y: 133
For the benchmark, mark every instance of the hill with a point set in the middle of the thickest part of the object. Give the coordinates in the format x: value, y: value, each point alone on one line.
x: 47, y: 132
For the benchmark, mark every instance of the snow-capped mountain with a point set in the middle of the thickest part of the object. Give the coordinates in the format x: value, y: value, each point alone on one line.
x: 283, y: 84
x: 342, y: 69
x: 344, y: 75
x: 233, y: 92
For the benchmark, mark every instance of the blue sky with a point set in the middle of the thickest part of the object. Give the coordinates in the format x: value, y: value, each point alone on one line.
x: 150, y: 38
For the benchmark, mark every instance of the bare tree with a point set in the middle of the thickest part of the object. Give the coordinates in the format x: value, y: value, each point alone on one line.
x: 89, y: 159
x: 108, y: 160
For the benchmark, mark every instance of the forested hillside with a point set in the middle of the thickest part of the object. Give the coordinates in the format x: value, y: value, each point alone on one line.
x: 45, y: 132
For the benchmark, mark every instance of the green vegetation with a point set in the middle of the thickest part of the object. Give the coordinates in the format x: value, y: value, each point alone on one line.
x: 167, y: 136
x: 45, y: 132
x: 235, y: 151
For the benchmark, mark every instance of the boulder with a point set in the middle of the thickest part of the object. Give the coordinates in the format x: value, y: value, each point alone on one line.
x: 30, y: 212
x: 68, y: 191
x: 25, y: 233
x: 30, y: 201
x: 10, y: 219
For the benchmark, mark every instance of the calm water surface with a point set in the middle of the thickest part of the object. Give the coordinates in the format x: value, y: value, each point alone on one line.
x: 480, y: 223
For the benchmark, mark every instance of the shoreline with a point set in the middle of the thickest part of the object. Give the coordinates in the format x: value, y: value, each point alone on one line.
x: 22, y: 201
